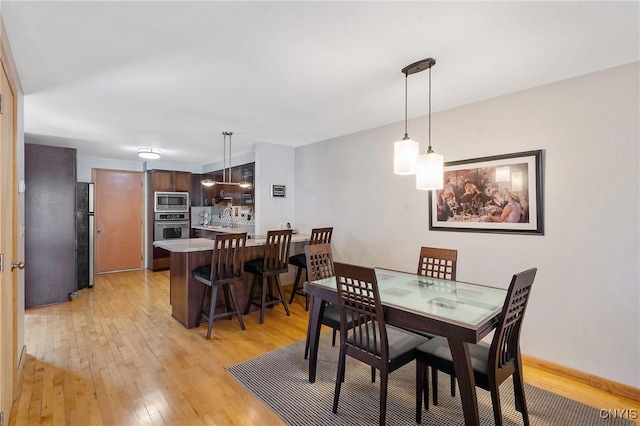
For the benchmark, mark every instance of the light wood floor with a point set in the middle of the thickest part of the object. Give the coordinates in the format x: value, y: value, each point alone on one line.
x: 115, y: 356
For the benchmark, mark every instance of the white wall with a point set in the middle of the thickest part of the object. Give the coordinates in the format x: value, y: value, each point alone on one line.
x: 275, y: 164
x: 583, y: 311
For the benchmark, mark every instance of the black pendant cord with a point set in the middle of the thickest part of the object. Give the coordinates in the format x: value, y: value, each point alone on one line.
x: 429, y: 150
x: 406, y: 85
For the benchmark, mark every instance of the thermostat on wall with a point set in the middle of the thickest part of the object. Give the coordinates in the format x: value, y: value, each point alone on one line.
x: 277, y: 190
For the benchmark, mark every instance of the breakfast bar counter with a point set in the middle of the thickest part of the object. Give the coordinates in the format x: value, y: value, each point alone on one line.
x: 185, y: 293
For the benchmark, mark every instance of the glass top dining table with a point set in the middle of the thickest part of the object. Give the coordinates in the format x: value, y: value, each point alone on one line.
x: 462, y: 312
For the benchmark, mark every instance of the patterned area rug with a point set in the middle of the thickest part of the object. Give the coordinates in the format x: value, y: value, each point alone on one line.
x: 280, y: 379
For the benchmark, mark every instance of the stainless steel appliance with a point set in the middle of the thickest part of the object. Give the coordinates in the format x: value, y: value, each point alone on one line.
x: 171, y: 201
x: 170, y: 226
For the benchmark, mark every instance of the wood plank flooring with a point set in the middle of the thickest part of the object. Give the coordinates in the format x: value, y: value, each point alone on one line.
x: 115, y: 356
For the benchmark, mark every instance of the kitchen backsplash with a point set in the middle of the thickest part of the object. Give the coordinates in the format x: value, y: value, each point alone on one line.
x: 238, y: 215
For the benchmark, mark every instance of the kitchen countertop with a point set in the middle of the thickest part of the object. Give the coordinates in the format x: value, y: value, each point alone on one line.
x: 186, y: 245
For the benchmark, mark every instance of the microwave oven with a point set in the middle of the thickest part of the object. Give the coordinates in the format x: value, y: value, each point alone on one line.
x: 171, y: 201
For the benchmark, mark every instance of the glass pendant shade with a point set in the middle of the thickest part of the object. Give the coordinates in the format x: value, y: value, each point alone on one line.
x: 405, y: 155
x: 430, y: 171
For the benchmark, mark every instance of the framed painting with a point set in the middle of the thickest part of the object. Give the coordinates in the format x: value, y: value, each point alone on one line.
x: 499, y: 194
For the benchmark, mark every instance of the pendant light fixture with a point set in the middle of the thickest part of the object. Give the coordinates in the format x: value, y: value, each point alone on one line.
x: 211, y: 182
x: 430, y: 166
x: 405, y: 151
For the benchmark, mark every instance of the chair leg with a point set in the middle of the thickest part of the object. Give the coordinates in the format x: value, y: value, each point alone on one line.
x: 434, y: 385
x: 263, y: 298
x: 284, y: 302
x: 384, y: 381
x: 518, y: 390
x: 420, y: 371
x: 333, y: 337
x: 251, y: 294
x: 453, y: 385
x: 339, y: 379
x: 212, y: 308
x: 202, y: 305
x: 234, y: 297
x: 373, y: 374
x: 296, y: 286
x: 495, y: 399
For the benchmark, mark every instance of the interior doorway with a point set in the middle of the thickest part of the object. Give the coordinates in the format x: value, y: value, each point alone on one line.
x: 119, y: 206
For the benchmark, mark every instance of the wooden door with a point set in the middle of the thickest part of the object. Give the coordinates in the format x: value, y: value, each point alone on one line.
x: 8, y: 249
x: 50, y: 224
x: 118, y: 220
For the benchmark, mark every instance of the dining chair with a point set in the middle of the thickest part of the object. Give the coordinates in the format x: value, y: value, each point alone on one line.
x: 438, y: 263
x: 318, y: 236
x: 370, y: 340
x: 492, y: 364
x: 226, y: 270
x: 268, y: 269
x: 320, y: 266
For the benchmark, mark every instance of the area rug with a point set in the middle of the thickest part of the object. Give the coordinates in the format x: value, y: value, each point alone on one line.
x: 281, y: 379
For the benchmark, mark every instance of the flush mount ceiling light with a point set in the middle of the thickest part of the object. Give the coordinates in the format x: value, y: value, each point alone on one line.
x: 211, y: 182
x: 149, y: 153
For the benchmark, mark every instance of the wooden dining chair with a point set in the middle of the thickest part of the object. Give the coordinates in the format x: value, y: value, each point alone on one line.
x: 320, y: 266
x: 370, y: 340
x: 438, y: 263
x: 318, y: 236
x: 492, y: 364
x: 226, y: 270
x: 268, y: 269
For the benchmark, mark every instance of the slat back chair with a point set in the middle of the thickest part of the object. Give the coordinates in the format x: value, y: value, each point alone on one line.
x: 226, y: 270
x: 269, y: 268
x: 320, y: 266
x: 369, y: 339
x: 492, y: 364
x: 318, y: 236
x: 438, y: 263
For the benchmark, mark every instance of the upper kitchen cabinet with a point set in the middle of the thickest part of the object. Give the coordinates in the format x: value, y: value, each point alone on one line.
x: 171, y: 181
x: 195, y: 194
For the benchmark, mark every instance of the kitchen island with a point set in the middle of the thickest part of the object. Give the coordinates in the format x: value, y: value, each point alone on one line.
x: 185, y: 293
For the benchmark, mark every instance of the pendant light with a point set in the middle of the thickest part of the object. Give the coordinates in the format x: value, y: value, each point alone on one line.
x: 211, y: 182
x: 430, y: 166
x: 405, y: 151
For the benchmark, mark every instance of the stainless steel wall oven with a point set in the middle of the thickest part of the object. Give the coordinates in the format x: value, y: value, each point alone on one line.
x: 171, y: 226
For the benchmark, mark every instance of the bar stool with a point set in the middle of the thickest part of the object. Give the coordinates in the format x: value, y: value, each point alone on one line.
x: 318, y: 236
x: 269, y: 268
x: 226, y: 269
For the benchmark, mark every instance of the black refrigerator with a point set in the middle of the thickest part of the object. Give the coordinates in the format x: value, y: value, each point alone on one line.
x: 84, y: 234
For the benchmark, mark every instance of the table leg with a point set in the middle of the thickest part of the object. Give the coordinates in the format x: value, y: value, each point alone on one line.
x: 466, y: 381
x: 315, y: 322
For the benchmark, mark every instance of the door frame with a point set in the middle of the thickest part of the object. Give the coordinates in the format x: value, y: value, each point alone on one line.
x: 16, y: 314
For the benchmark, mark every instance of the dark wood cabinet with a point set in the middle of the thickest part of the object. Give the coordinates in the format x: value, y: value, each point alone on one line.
x: 168, y: 181
x: 171, y: 181
x: 206, y: 195
x: 195, y: 193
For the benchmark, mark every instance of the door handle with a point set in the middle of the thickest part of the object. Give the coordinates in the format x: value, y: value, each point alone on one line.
x: 98, y: 229
x: 14, y: 265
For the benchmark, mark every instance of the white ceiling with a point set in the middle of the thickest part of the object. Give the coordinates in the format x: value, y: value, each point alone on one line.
x: 109, y: 77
